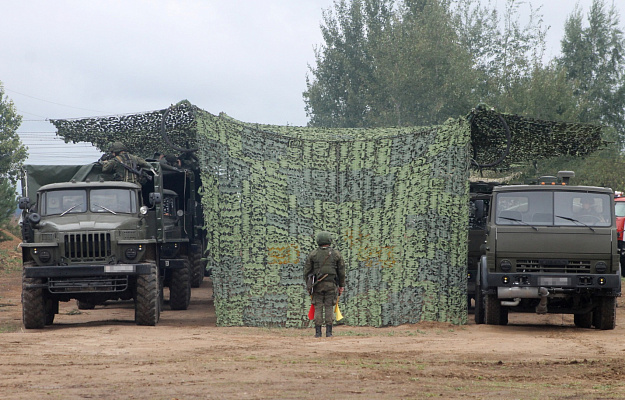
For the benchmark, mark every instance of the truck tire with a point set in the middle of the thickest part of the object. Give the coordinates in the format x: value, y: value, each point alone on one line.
x: 583, y: 320
x: 197, y: 269
x: 52, y: 308
x: 84, y: 305
x: 605, y: 314
x: 33, y: 304
x: 479, y: 306
x: 147, y: 299
x: 495, y: 314
x: 180, y: 287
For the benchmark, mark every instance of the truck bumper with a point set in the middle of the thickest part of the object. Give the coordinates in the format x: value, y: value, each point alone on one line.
x: 75, y: 271
x: 582, y: 282
x: 172, y: 263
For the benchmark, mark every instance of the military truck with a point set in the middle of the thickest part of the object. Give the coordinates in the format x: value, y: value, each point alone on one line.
x: 550, y: 248
x: 92, y: 239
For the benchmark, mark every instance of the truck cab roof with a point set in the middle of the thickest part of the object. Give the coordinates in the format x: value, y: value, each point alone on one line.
x: 96, y: 184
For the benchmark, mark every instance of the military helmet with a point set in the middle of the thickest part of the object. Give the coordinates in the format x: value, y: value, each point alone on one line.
x: 116, y: 147
x: 324, y: 238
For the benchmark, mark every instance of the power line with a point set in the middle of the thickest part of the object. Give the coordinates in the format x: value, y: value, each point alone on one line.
x: 52, y: 102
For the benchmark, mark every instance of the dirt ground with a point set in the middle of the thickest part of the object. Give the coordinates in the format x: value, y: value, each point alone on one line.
x: 102, y: 354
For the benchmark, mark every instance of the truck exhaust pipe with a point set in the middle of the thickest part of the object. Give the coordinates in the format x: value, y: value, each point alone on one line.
x: 518, y: 293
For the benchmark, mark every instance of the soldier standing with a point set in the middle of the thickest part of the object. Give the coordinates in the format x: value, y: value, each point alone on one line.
x: 125, y: 166
x: 328, y: 268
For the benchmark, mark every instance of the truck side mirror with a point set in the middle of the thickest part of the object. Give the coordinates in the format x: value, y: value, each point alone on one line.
x: 155, y: 198
x: 479, y: 209
x: 24, y: 203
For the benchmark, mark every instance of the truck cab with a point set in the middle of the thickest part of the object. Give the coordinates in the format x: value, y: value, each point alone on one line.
x: 550, y: 248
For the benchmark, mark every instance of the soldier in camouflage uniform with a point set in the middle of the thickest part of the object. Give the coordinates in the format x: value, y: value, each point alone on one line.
x: 124, y: 166
x: 328, y: 267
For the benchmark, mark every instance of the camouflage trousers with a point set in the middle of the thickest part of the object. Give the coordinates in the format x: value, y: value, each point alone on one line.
x: 324, y: 299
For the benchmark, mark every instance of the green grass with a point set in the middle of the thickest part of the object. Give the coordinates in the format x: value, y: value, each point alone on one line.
x: 8, y: 262
x: 9, y: 327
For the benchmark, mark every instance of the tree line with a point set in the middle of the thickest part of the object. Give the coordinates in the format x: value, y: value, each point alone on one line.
x: 419, y: 62
x: 12, y: 156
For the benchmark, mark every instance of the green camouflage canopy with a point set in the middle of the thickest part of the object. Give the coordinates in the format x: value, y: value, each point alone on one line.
x: 394, y: 199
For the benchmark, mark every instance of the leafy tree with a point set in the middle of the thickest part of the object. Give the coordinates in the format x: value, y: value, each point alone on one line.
x: 419, y: 62
x: 594, y: 59
x: 384, y: 65
x: 12, y: 156
x: 509, y: 58
x: 337, y: 97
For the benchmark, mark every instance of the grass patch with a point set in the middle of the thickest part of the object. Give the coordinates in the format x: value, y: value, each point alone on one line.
x: 10, y: 261
x: 9, y: 327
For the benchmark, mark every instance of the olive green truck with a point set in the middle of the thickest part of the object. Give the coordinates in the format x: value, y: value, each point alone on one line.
x: 88, y: 238
x: 549, y: 248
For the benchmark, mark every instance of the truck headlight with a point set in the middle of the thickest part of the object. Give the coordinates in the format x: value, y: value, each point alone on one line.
x: 131, y: 253
x: 505, y: 265
x: 44, y: 255
x: 601, y: 267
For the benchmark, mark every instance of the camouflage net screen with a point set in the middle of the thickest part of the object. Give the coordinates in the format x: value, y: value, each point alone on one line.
x: 395, y: 199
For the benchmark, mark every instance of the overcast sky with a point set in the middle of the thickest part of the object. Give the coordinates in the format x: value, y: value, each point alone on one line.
x: 247, y: 58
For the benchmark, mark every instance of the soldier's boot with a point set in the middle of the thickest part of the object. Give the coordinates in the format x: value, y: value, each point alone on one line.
x: 317, y: 330
x: 328, y: 330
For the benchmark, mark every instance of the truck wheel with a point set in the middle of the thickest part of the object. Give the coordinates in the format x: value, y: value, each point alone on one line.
x: 495, y: 314
x: 180, y: 287
x: 147, y: 299
x: 197, y: 270
x: 479, y: 306
x: 583, y: 320
x: 84, y: 305
x: 33, y: 304
x: 605, y: 318
x: 52, y: 308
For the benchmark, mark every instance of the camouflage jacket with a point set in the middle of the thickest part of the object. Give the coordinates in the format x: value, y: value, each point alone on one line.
x: 121, y: 173
x: 326, y: 260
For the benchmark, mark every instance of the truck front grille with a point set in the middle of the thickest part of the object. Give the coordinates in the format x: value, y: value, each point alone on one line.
x: 106, y: 284
x: 90, y: 246
x: 553, y: 266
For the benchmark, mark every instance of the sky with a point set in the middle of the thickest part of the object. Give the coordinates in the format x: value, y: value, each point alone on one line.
x: 247, y: 58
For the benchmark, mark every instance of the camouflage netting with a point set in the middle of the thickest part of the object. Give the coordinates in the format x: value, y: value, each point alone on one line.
x: 394, y: 198
x: 530, y: 139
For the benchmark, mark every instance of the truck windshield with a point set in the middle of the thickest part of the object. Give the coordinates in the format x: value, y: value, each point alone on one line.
x: 544, y: 208
x: 61, y: 202
x: 113, y: 201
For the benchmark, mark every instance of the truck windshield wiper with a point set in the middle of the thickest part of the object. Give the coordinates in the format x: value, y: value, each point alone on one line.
x: 70, y: 209
x: 104, y: 208
x: 576, y: 221
x: 518, y: 220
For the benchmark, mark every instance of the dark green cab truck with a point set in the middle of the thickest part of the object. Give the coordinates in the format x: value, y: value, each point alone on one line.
x: 89, y: 238
x: 550, y: 248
